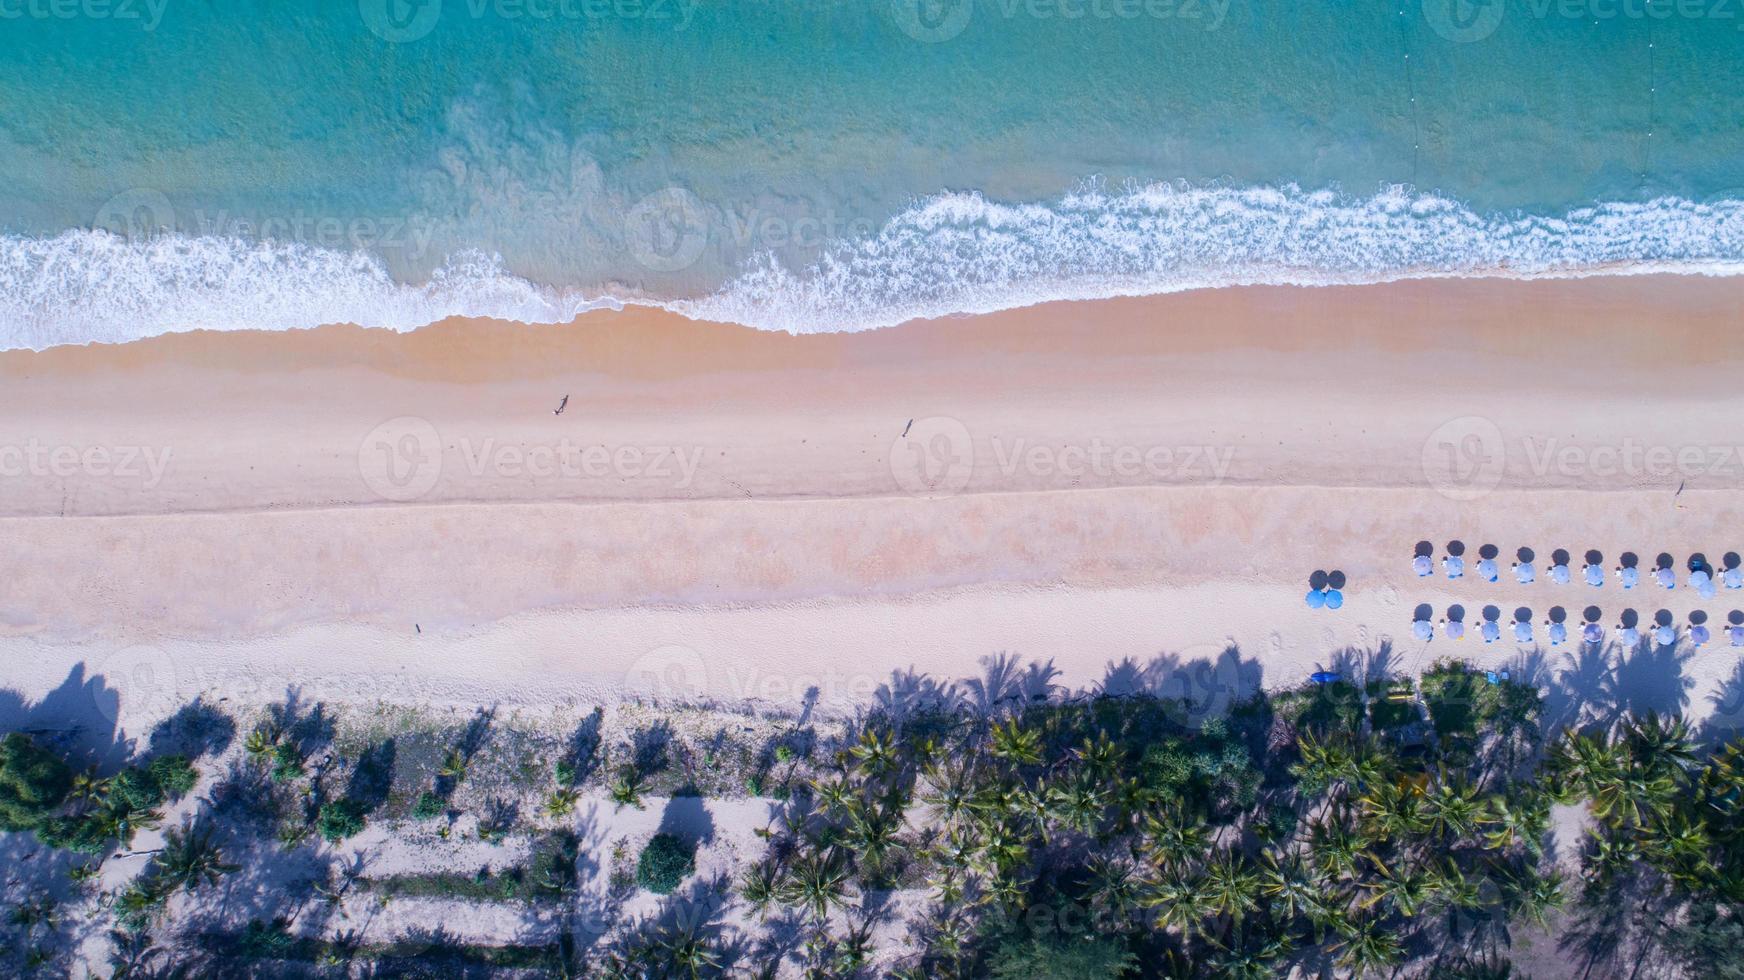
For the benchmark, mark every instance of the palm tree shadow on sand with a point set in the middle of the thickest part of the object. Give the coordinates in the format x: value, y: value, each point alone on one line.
x: 1593, y: 686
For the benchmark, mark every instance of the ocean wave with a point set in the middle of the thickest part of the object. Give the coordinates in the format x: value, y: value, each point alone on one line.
x: 953, y: 253
x: 961, y: 253
x: 94, y: 286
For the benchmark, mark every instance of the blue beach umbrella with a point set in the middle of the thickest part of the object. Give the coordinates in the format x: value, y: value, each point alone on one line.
x: 1324, y: 676
x: 1334, y: 598
x: 1316, y: 598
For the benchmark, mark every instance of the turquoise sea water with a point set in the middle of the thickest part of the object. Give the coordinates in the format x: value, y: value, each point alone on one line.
x: 816, y: 164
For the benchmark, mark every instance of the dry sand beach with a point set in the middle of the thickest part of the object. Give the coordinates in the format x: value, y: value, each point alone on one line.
x: 734, y: 515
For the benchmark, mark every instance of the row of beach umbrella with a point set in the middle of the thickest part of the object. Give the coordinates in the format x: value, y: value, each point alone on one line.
x: 1701, y: 575
x: 1629, y: 631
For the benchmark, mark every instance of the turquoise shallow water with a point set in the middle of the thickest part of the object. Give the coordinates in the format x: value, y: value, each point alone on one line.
x: 811, y: 164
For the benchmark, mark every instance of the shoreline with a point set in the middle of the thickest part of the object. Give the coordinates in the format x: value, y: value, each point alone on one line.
x: 284, y: 543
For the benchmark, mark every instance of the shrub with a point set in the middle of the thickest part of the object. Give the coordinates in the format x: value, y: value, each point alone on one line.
x: 33, y: 783
x: 338, y: 820
x: 174, y: 774
x: 1063, y: 957
x: 287, y: 762
x: 665, y: 862
x: 135, y: 789
x: 428, y: 807
x: 89, y: 834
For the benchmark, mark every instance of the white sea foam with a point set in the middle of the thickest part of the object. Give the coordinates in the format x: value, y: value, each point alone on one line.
x: 93, y: 286
x: 960, y: 253
x: 954, y: 253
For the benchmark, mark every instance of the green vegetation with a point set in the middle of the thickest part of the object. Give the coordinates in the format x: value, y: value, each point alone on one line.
x: 665, y: 863
x: 339, y: 819
x: 1388, y: 828
x: 33, y: 782
x: 428, y: 807
x: 547, y: 876
x: 84, y: 812
x: 1363, y: 827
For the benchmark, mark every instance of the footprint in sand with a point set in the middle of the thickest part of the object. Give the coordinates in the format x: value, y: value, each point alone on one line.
x: 1275, y: 643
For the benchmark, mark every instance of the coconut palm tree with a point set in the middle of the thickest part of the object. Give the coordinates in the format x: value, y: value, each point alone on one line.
x: 1452, y: 809
x: 1290, y: 889
x: 832, y: 794
x: 1180, y: 902
x: 686, y: 951
x: 871, y: 831
x: 1679, y: 845
x: 262, y: 740
x: 1633, y: 797
x: 1580, y: 761
x: 1337, y: 848
x: 454, y: 766
x: 1662, y: 747
x: 1172, y: 839
x: 855, y: 949
x: 1532, y: 894
x: 1099, y: 759
x: 1016, y: 743
x: 88, y: 790
x: 1521, y: 819
x: 1249, y: 958
x: 1392, y: 810
x: 818, y: 882
x: 561, y: 802
x: 1406, y: 888
x: 1322, y: 764
x: 191, y: 858
x: 1452, y: 889
x: 876, y: 753
x: 625, y: 788
x: 1367, y: 947
x: 1231, y: 888
x: 132, y: 955
x: 759, y: 886
x: 1115, y: 890
x: 1079, y: 805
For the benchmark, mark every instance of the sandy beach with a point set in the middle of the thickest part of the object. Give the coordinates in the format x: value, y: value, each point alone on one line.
x: 727, y: 514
